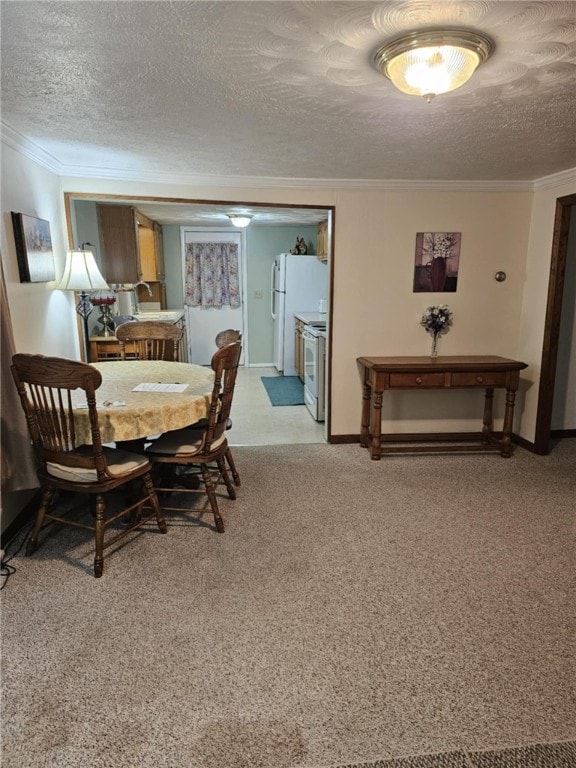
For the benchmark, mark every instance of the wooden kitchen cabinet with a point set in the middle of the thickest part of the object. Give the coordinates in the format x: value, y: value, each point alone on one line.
x: 147, y: 251
x: 132, y: 250
x: 299, y: 348
x: 159, y: 248
x: 322, y: 241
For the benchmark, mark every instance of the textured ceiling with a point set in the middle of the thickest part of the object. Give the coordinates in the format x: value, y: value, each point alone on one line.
x: 215, y: 215
x: 284, y: 90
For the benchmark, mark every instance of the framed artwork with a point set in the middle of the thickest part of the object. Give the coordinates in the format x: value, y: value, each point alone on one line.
x: 33, y: 248
x: 436, y: 262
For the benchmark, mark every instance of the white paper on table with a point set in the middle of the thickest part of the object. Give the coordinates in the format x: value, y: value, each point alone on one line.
x: 160, y: 387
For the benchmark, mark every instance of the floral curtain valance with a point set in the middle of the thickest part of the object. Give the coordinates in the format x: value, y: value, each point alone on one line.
x: 211, y: 275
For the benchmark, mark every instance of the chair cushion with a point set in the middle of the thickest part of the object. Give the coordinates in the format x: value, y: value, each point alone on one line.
x: 119, y: 463
x: 181, y: 442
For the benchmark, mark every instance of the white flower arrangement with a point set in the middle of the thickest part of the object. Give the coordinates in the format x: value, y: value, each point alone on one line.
x: 442, y: 244
x: 437, y: 319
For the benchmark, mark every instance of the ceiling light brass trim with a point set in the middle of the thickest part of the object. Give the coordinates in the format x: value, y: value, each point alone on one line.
x: 481, y: 44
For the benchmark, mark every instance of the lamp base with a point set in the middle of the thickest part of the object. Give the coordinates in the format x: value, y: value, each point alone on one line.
x: 84, y: 308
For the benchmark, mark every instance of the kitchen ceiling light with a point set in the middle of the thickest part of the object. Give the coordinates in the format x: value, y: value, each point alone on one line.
x: 240, y: 219
x: 433, y: 61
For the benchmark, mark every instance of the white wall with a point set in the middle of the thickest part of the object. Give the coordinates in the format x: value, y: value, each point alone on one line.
x: 44, y: 320
x: 375, y: 310
x: 378, y: 314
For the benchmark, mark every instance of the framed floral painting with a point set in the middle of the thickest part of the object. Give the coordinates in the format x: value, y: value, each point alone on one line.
x: 33, y: 248
x: 436, y: 262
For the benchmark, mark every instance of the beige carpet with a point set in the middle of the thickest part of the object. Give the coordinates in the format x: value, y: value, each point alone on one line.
x: 353, y: 611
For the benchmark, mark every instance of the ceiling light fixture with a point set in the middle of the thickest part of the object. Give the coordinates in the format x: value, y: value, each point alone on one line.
x: 433, y: 61
x: 240, y: 219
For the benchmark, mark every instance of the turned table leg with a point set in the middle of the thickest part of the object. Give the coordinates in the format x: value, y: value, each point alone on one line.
x: 506, y: 447
x: 488, y: 418
x: 376, y: 426
x: 365, y: 421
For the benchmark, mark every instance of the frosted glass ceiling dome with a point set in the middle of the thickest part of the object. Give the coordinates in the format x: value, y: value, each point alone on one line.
x: 433, y: 61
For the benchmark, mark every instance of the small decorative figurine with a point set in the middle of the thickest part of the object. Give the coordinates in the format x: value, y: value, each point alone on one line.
x: 300, y: 247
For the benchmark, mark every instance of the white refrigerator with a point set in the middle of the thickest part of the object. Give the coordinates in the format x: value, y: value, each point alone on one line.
x: 298, y: 284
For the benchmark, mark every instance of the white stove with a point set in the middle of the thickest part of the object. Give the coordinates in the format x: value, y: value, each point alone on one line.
x: 314, y: 369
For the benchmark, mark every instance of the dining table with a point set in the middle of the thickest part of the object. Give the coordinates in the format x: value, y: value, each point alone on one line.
x: 142, y: 398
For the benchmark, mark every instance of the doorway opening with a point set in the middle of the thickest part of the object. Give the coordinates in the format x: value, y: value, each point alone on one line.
x: 560, y: 251
x: 174, y: 213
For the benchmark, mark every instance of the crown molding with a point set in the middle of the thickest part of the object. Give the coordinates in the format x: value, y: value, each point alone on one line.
x: 30, y: 149
x: 556, y: 179
x: 270, y: 182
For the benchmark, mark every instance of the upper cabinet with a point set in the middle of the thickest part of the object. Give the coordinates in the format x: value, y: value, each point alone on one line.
x: 322, y: 244
x: 159, y: 247
x: 132, y: 250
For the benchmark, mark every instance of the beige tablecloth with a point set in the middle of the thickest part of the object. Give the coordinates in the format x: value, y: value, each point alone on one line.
x: 145, y: 413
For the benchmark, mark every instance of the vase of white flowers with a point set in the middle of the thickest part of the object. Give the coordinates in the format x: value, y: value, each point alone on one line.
x: 437, y: 321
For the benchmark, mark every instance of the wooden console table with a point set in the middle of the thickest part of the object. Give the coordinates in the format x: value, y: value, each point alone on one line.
x: 462, y: 372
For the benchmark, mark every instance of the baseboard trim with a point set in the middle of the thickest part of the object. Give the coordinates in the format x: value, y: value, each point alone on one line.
x: 524, y: 443
x: 341, y: 439
x: 563, y: 433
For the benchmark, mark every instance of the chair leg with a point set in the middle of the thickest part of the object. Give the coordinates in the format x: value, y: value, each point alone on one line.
x: 99, y: 536
x: 211, y: 493
x: 225, y: 476
x: 155, y: 503
x: 232, y: 466
x: 47, y: 497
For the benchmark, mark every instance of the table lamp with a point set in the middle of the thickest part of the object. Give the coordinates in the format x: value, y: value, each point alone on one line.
x: 81, y: 274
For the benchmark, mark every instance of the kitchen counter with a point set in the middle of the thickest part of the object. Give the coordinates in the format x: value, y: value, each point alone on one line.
x: 311, y: 318
x: 164, y: 315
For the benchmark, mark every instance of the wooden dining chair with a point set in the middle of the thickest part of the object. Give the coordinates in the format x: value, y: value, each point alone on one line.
x: 229, y: 336
x: 205, y: 447
x: 150, y: 340
x: 45, y: 386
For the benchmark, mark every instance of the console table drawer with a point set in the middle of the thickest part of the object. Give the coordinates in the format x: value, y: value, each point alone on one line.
x: 416, y: 380
x: 495, y: 379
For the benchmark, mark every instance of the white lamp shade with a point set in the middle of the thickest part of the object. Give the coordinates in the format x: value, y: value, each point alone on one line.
x: 81, y: 273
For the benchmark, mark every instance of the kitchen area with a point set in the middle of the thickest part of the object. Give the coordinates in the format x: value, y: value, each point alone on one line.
x: 298, y: 309
x: 131, y: 255
x: 138, y: 247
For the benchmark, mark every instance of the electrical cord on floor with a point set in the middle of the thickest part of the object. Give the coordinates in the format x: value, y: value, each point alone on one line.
x: 6, y: 570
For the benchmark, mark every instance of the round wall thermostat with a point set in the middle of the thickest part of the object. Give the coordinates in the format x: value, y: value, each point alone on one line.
x: 500, y: 276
